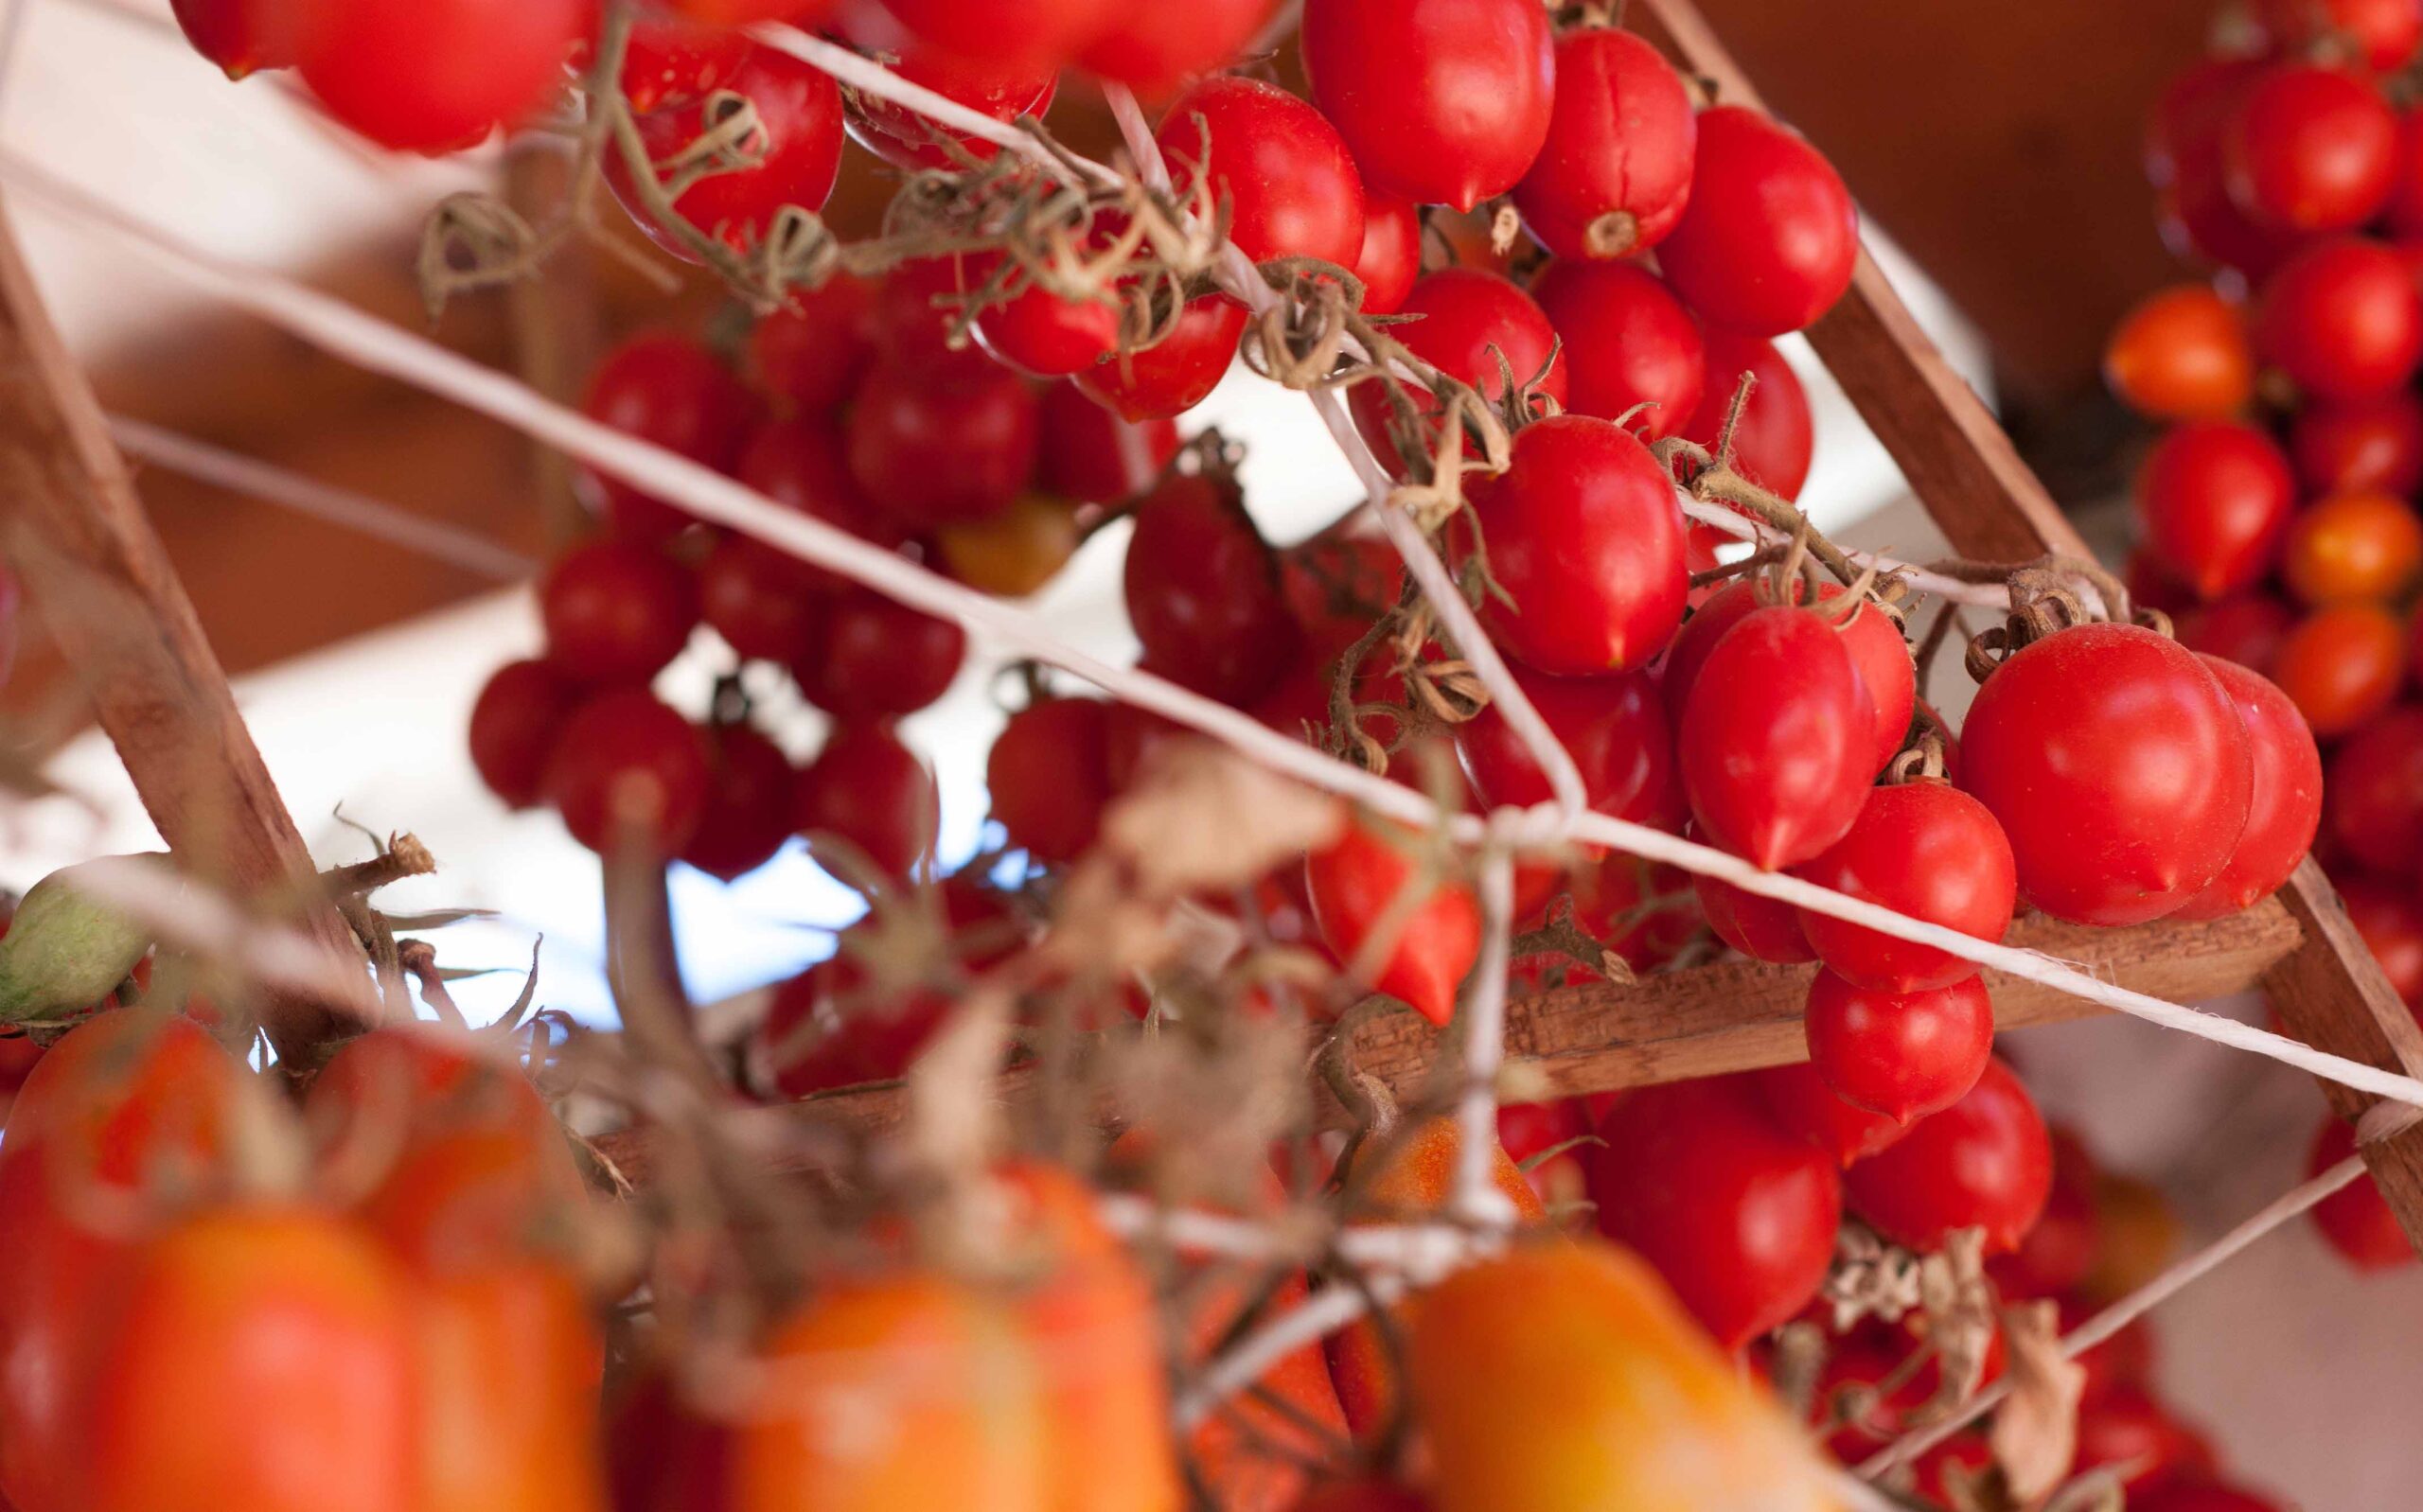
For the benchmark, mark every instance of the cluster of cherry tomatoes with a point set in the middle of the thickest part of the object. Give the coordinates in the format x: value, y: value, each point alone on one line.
x: 2277, y: 512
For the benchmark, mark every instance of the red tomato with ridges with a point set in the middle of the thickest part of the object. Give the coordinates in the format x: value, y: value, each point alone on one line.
x: 1290, y: 184
x: 2214, y: 498
x: 1616, y: 170
x: 1629, y: 342
x: 1770, y: 237
x: 1903, y: 1055
x: 1353, y: 882
x: 1775, y: 739
x: 2285, y: 806
x: 1801, y: 1104
x: 1985, y: 1162
x: 1873, y: 638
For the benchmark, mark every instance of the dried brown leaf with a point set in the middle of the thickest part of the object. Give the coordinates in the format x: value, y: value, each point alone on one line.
x: 2036, y: 1431
x: 1203, y: 819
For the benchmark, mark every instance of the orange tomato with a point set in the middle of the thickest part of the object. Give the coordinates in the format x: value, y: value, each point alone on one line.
x: 1567, y: 1375
x: 1414, y: 1181
x: 2340, y: 665
x: 916, y: 1391
x: 260, y: 1358
x: 2138, y: 1231
x: 1016, y: 552
x: 2182, y: 354
x: 2352, y: 548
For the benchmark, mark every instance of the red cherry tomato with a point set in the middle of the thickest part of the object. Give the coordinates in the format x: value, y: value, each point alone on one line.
x: 2376, y: 794
x: 867, y: 788
x: 2342, y: 666
x: 230, y: 33
x: 2387, y: 31
x: 2284, y: 808
x: 742, y: 12
x: 2189, y: 117
x: 2120, y: 770
x: 2058, y: 1252
x: 1986, y: 1162
x: 1772, y: 445
x: 1775, y: 739
x: 1583, y: 535
x: 663, y: 387
x: 1802, y: 1105
x: 941, y: 453
x: 1153, y: 50
x: 671, y: 61
x: 1392, y: 256
x: 2184, y: 160
x: 1879, y: 654
x: 2183, y: 353
x: 1761, y: 928
x: 1738, y: 1217
x: 424, y: 76
x: 877, y: 657
x: 1050, y: 777
x: 915, y: 308
x: 799, y: 465
x: 2355, y: 1220
x: 1353, y: 882
x: 1634, y: 908
x: 1613, y: 727
x: 809, y: 355
x: 1042, y: 334
x: 2309, y: 148
x: 998, y: 90
x: 2129, y: 1428
x: 1616, y: 169
x: 1475, y: 327
x: 2214, y: 498
x: 1903, y: 1055
x: 1290, y: 184
x: 800, y: 129
x: 2367, y: 443
x: 748, y: 791
x: 1089, y: 455
x: 830, y: 1027
x: 1443, y: 101
x: 1629, y: 342
x: 616, y: 611
x: 627, y: 765
x: 2246, y: 629
x: 749, y: 595
x: 1770, y: 237
x: 1203, y: 592
x: 1174, y: 374
x: 514, y: 726
x: 1924, y: 849
x: 2343, y: 319
x: 1032, y: 32
x: 2389, y: 916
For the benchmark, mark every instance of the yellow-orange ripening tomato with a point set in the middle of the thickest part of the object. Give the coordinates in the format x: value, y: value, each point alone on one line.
x: 1565, y: 1375
x: 2341, y: 666
x: 2353, y: 548
x: 1014, y: 552
x: 2182, y: 354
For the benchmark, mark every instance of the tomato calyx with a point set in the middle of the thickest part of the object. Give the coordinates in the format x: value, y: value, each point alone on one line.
x: 2045, y: 600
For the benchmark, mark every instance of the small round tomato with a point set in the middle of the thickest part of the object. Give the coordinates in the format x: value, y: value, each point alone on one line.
x: 2309, y: 148
x: 1153, y: 50
x: 2284, y: 808
x: 2246, y: 629
x: 2366, y: 444
x: 1584, y: 538
x: 1775, y: 739
x: 230, y: 33
x: 1616, y: 169
x: 1924, y: 849
x: 1475, y: 327
x: 2384, y: 31
x: 941, y: 453
x: 748, y: 789
x: 2053, y: 1261
x: 799, y: 465
x: 1050, y: 777
x: 1761, y: 928
x: 616, y: 611
x: 795, y: 155
x: 749, y: 595
x: 1801, y: 1104
x: 2353, y: 548
x: 809, y: 355
x: 514, y: 726
x: 1773, y: 443
x: 867, y: 788
x: 2183, y: 353
x: 1770, y: 239
x: 2376, y: 793
x: 1203, y: 592
x: 1038, y: 33
x: 998, y: 90
x: 423, y: 77
x: 1043, y: 334
x: 1737, y: 1215
x: 1986, y: 1162
x: 1629, y: 342
x: 2214, y: 497
x: 1013, y: 553
x: 1289, y: 181
x: 2118, y: 767
x: 2342, y: 666
x: 1089, y: 455
x: 2356, y: 1219
x: 1392, y: 257
x: 1174, y: 374
x: 2129, y: 1429
x: 1903, y: 1055
x: 916, y: 307
x: 2343, y: 319
x: 1614, y: 730
x: 879, y: 657
x: 670, y: 61
x: 1873, y: 638
x: 1442, y: 101
x: 663, y: 387
x: 831, y: 1026
x: 628, y: 769
x: 1353, y: 883
x: 2389, y: 916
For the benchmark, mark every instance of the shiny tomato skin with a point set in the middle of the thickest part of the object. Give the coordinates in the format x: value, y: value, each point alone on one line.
x: 2343, y: 319
x: 1873, y: 638
x: 2374, y: 794
x: 2182, y: 353
x: 428, y: 78
x: 2309, y: 148
x: 1903, y: 1055
x: 509, y: 1364
x: 513, y: 725
x: 798, y: 110
x: 1473, y: 321
x: 1049, y: 773
x: 1761, y: 928
x: 229, y: 33
x: 626, y: 759
x: 2342, y: 666
x: 2215, y: 497
x: 998, y: 91
x: 1091, y: 456
x: 1040, y: 333
x: 808, y: 355
x: 1440, y: 101
x: 748, y: 793
x: 1583, y: 535
x: 1738, y: 1217
x: 1985, y: 1162
x: 615, y: 612
x: 2387, y: 31
x: 670, y: 61
x: 1174, y: 374
x: 1800, y: 1103
x: 1613, y: 727
x: 1153, y: 50
x: 1776, y: 739
x: 2356, y: 1220
x: 1391, y: 260
x: 2118, y: 767
x: 662, y: 386
x: 1291, y: 184
x: 1035, y: 33
x: 1353, y: 882
x: 1924, y: 849
x: 2284, y: 808
x: 867, y: 789
x: 939, y: 451
x: 1770, y: 239
x: 2374, y: 445
x: 1616, y: 170
x: 1773, y: 445
x: 1203, y: 592
x: 2352, y: 548
x: 1629, y: 342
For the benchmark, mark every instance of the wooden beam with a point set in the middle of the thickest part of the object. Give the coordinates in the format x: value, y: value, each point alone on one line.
x: 95, y: 572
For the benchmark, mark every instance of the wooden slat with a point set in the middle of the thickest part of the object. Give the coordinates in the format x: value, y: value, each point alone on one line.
x: 2330, y: 991
x: 95, y: 571
x: 1732, y: 1017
